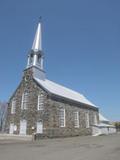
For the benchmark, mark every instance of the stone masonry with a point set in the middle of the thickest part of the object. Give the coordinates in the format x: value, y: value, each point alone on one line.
x: 49, y: 115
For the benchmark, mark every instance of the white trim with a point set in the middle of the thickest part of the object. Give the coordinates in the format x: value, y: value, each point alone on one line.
x: 76, y: 119
x: 87, y: 120
x: 23, y: 127
x: 95, y: 119
x: 38, y: 101
x: 39, y: 127
x: 40, y: 104
x: 11, y: 128
x: 13, y: 106
x: 62, y: 117
x: 24, y: 101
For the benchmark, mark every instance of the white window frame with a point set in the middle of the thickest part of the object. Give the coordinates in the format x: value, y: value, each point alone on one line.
x: 11, y: 128
x: 23, y: 121
x: 39, y: 130
x: 76, y: 119
x: 62, y: 117
x: 87, y: 120
x: 13, y: 106
x: 40, y: 105
x: 24, y: 103
x: 95, y: 119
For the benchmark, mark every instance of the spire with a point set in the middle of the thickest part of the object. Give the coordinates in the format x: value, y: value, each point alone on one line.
x: 37, y: 43
x: 36, y: 56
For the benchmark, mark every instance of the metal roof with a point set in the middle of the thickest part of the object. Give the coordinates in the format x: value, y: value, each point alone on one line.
x: 62, y: 91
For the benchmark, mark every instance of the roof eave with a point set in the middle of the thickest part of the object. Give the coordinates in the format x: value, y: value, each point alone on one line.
x: 70, y: 101
x: 67, y: 100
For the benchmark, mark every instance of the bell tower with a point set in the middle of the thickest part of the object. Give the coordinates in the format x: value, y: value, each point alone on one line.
x: 36, y: 56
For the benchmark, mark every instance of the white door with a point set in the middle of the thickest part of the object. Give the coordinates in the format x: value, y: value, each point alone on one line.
x: 11, y: 130
x: 23, y: 127
x: 40, y: 127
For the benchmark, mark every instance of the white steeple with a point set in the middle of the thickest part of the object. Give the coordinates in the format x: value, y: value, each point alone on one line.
x: 35, y: 57
x: 37, y: 43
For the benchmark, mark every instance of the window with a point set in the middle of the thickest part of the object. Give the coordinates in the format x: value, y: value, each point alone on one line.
x: 25, y: 100
x: 39, y: 128
x: 76, y: 119
x: 87, y: 120
x: 40, y: 101
x: 13, y: 107
x: 62, y: 117
x: 31, y: 59
x: 23, y: 127
x: 38, y: 59
x: 95, y: 119
x: 11, y: 129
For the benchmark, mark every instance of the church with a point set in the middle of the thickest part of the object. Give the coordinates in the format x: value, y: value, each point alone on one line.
x: 45, y: 108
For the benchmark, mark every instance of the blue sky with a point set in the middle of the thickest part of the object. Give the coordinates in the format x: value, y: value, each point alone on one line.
x: 81, y: 42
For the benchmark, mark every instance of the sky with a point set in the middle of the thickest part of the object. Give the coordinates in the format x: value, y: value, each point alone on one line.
x: 81, y: 43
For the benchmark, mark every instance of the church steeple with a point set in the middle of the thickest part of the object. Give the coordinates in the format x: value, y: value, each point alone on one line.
x: 37, y: 43
x: 35, y: 57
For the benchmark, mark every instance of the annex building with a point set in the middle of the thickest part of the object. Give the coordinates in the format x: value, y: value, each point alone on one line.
x: 41, y: 106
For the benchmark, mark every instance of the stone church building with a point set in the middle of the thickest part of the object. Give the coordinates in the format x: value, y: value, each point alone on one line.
x: 44, y: 107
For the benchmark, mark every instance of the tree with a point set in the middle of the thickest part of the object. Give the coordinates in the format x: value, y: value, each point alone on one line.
x: 117, y: 125
x: 3, y: 112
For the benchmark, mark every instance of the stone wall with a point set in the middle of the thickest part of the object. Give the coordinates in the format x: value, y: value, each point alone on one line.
x: 51, y: 125
x: 31, y: 114
x: 49, y: 115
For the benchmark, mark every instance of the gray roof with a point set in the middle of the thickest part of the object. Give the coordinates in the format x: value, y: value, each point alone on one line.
x: 62, y: 91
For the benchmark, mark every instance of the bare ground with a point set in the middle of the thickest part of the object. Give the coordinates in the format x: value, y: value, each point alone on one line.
x: 76, y: 148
